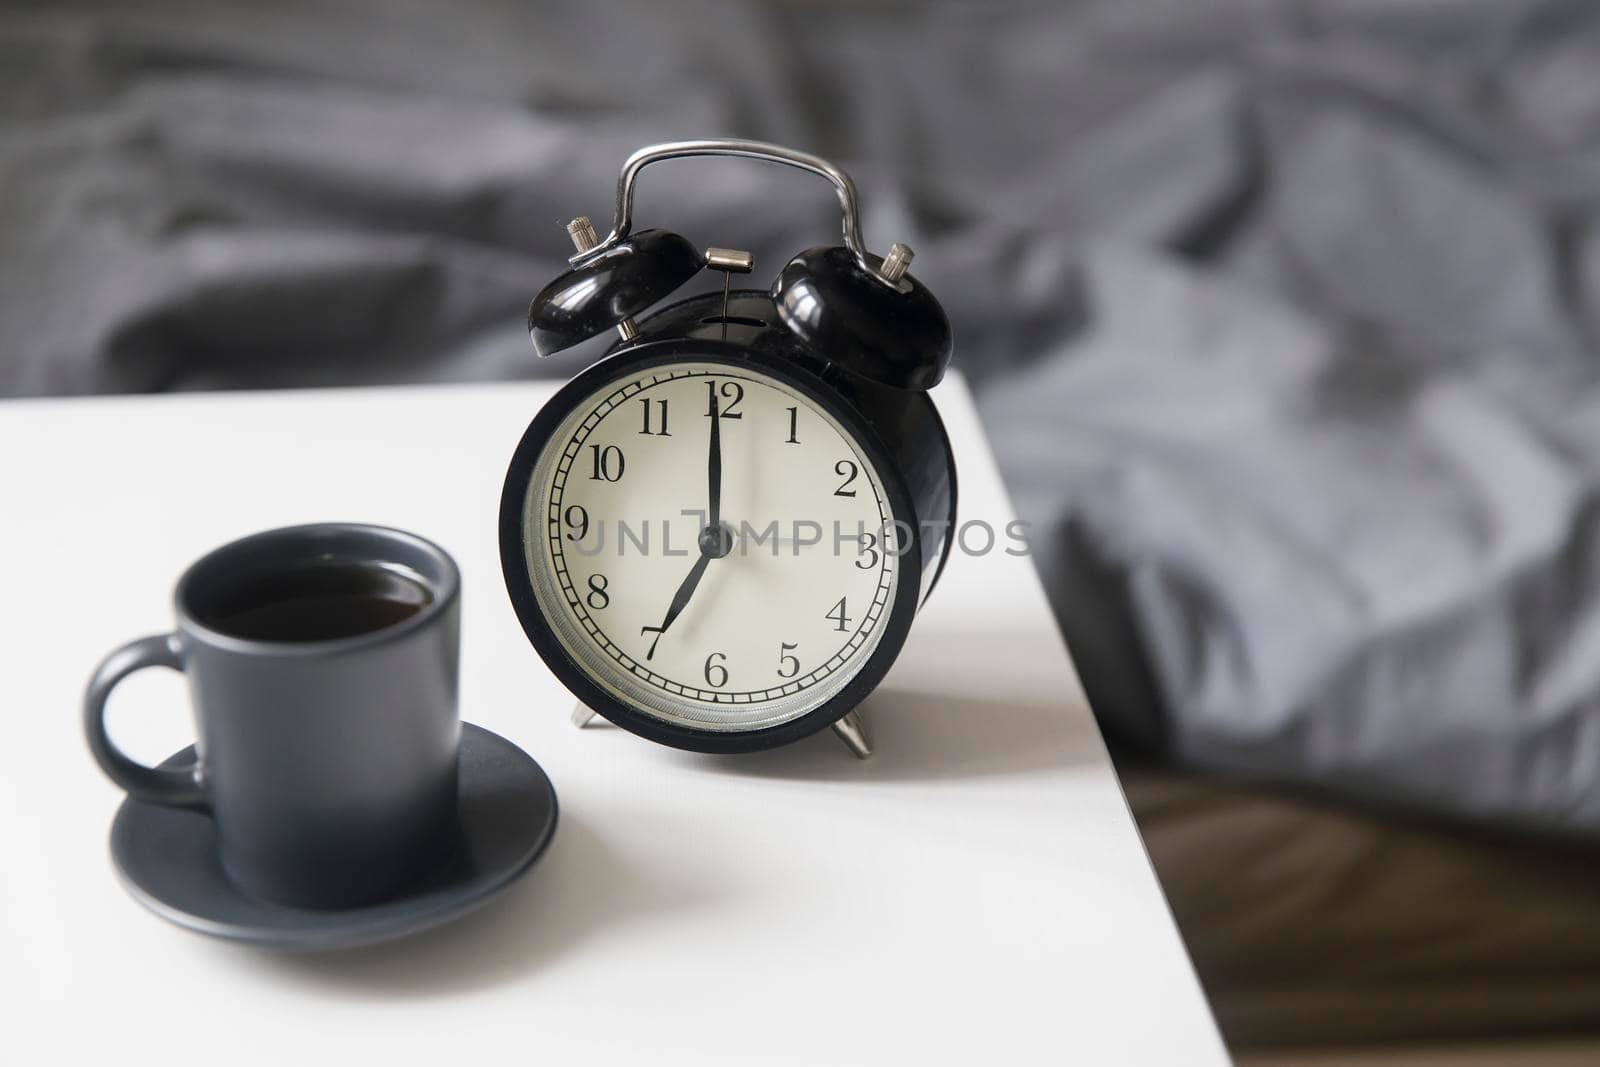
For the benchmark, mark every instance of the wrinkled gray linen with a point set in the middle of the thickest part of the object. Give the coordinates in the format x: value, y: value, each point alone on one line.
x: 1283, y: 315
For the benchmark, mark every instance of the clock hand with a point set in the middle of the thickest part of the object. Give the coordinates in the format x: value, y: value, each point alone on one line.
x: 680, y: 600
x: 714, y: 543
x: 710, y: 538
x: 714, y: 465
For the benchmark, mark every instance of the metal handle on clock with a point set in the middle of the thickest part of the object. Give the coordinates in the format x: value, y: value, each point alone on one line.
x: 889, y: 273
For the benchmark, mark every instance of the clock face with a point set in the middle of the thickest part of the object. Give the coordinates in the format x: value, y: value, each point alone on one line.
x: 740, y: 626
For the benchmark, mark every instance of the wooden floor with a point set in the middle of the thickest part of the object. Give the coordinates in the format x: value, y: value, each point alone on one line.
x: 1519, y: 1054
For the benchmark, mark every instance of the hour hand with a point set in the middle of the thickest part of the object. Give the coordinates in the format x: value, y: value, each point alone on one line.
x: 680, y: 600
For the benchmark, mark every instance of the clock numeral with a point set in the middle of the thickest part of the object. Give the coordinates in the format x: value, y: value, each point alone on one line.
x: 864, y: 544
x: 716, y: 673
x: 840, y: 619
x: 785, y: 659
x: 848, y: 471
x: 661, y: 405
x: 608, y: 463
x: 731, y: 390
x: 576, y: 519
x: 794, y: 421
x: 598, y: 598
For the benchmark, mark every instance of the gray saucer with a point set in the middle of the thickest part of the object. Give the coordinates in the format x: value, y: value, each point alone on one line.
x: 167, y: 859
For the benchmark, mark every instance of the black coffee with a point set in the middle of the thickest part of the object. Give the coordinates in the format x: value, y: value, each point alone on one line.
x: 317, y: 602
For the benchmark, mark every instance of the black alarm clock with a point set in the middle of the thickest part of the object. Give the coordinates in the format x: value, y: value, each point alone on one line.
x: 718, y: 534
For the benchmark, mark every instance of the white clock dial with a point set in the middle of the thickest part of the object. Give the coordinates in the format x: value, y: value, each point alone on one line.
x: 758, y: 636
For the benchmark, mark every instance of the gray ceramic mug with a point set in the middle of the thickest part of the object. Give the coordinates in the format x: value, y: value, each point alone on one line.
x: 327, y: 725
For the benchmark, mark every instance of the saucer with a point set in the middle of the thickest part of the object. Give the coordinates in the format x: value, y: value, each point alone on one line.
x: 167, y: 858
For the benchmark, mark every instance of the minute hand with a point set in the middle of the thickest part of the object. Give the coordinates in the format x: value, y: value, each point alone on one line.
x: 714, y: 466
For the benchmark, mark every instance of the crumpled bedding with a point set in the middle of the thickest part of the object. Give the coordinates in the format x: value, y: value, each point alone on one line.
x: 1283, y: 315
x: 1332, y: 482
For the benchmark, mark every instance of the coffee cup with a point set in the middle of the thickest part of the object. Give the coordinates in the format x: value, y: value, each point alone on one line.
x: 322, y: 664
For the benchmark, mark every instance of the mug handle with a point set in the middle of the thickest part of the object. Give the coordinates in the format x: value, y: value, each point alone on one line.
x: 181, y: 787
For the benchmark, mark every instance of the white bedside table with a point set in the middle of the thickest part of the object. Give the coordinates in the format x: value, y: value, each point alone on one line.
x: 976, y: 893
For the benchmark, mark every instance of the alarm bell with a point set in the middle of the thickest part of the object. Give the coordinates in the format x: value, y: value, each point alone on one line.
x: 865, y: 314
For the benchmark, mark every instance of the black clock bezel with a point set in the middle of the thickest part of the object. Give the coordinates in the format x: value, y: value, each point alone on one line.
x: 519, y: 582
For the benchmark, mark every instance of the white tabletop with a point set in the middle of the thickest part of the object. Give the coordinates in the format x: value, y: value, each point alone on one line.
x: 976, y: 893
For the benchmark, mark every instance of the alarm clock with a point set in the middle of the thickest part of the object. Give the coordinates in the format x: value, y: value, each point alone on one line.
x: 718, y: 534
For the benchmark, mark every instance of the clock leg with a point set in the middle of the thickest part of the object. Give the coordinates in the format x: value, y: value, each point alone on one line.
x: 581, y: 714
x: 852, y: 730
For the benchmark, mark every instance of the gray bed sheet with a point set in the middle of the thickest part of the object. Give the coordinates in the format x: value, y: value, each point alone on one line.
x: 1283, y: 314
